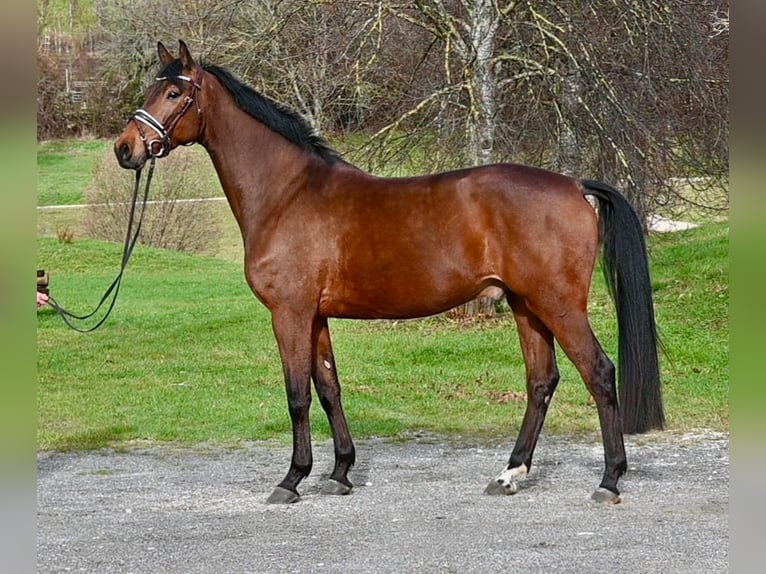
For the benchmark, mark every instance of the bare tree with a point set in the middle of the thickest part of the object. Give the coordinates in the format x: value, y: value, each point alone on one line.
x: 468, y: 34
x: 313, y: 56
x: 655, y: 100
x: 465, y: 35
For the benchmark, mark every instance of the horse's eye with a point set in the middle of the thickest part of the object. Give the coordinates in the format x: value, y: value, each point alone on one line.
x: 173, y: 94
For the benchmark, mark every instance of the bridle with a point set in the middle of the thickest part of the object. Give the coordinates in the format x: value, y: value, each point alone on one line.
x: 160, y: 145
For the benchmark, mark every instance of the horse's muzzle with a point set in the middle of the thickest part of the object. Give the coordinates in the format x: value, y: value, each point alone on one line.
x: 125, y: 157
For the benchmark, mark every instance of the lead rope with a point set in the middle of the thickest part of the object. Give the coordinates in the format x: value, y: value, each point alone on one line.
x: 130, y: 242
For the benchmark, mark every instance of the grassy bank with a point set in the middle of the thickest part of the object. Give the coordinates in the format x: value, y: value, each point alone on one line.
x: 189, y: 355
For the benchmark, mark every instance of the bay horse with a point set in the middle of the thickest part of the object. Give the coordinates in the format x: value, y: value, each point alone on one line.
x: 325, y: 239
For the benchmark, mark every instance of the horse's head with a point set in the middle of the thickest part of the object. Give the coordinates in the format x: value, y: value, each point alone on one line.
x: 163, y: 123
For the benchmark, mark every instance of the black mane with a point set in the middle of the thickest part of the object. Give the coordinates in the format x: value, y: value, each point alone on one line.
x: 287, y: 123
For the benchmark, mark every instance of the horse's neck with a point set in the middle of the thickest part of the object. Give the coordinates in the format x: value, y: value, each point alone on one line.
x: 257, y: 168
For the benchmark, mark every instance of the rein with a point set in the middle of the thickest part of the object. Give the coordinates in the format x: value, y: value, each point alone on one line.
x: 130, y: 242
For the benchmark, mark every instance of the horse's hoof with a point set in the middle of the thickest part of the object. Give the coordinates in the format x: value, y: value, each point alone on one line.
x: 335, y: 487
x: 496, y: 488
x: 605, y: 496
x: 282, y: 496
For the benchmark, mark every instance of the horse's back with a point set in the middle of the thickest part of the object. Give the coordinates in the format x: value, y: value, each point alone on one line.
x: 500, y: 208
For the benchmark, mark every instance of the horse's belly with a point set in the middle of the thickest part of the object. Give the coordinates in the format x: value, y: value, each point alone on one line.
x: 403, y: 299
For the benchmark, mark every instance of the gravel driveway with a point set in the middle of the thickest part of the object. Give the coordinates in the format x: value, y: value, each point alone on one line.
x: 417, y: 507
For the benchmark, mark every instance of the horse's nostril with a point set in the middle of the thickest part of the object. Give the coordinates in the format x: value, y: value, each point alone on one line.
x: 125, y: 152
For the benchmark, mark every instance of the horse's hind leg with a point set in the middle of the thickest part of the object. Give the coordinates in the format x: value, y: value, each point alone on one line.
x: 542, y: 377
x: 325, y: 378
x: 573, y: 332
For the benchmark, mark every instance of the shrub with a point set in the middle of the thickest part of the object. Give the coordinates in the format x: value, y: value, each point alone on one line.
x: 177, y: 216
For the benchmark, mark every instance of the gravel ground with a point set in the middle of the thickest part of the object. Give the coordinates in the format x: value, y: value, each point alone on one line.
x: 416, y: 507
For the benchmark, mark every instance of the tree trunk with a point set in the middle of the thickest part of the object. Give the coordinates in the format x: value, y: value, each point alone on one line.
x: 482, y: 119
x: 570, y: 157
x: 481, y: 122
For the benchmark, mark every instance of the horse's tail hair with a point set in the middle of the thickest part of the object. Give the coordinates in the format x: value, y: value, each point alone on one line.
x: 626, y: 269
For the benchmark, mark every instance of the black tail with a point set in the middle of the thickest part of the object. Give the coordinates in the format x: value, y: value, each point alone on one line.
x: 626, y: 268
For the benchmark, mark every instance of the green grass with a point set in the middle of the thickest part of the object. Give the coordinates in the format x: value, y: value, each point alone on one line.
x: 188, y: 355
x: 64, y: 169
x: 691, y: 285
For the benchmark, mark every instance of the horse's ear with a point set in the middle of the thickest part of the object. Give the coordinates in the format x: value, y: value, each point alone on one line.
x: 185, y: 56
x: 165, y: 56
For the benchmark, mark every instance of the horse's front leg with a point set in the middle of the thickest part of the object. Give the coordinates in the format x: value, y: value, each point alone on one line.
x: 293, y: 334
x: 328, y: 388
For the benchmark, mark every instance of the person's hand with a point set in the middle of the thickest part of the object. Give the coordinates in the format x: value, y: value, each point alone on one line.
x: 42, y: 299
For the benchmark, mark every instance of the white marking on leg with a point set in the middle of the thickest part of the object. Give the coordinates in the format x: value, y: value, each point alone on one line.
x: 509, y: 477
x: 327, y: 364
